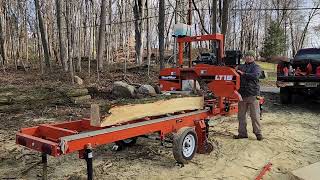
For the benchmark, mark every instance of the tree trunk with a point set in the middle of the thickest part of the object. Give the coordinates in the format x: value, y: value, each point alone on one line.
x: 102, y: 32
x: 43, y: 34
x: 79, y: 43
x: 127, y: 55
x: 2, y: 51
x: 70, y: 40
x: 148, y: 37
x: 161, y: 32
x: 26, y: 36
x: 39, y: 47
x: 63, y: 59
x: 138, y: 10
x: 304, y: 33
x: 293, y: 48
x: 109, y: 45
x: 258, y: 31
x: 224, y: 24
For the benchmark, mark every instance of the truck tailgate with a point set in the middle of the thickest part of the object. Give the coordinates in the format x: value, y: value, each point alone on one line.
x: 298, y: 78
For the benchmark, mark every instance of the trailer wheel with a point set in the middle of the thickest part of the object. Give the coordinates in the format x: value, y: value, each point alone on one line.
x: 185, y: 144
x: 285, y: 95
x: 126, y: 143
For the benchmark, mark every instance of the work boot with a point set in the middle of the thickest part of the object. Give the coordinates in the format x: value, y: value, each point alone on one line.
x: 259, y: 137
x: 240, y: 136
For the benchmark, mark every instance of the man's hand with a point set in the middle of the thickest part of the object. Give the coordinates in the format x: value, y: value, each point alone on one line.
x: 240, y: 72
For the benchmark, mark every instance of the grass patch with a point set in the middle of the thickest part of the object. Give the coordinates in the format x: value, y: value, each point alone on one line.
x: 271, y: 70
x: 268, y: 67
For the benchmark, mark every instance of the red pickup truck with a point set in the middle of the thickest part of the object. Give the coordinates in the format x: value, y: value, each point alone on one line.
x: 300, y: 76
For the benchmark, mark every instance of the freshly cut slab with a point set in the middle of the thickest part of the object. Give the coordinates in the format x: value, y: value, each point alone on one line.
x: 311, y: 172
x: 125, y: 113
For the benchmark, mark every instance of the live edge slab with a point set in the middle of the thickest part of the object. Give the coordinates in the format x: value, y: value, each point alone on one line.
x: 125, y: 112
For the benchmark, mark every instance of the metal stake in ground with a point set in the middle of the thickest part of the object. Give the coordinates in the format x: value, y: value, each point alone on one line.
x: 44, y: 166
x: 88, y: 158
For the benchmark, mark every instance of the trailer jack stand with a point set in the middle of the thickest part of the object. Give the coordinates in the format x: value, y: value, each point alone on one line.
x: 88, y: 157
x: 202, y: 129
x: 44, y: 161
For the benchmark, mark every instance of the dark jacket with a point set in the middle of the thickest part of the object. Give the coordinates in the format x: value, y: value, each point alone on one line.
x: 249, y: 81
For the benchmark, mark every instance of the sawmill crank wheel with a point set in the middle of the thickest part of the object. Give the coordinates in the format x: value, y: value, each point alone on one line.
x: 185, y: 143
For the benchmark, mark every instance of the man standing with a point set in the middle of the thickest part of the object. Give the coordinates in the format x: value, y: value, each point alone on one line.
x: 249, y: 90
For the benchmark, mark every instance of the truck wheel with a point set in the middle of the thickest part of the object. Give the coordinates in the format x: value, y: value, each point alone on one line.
x: 185, y: 144
x: 285, y: 95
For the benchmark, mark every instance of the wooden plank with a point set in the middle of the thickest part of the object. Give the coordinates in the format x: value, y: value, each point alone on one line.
x: 95, y: 115
x: 125, y: 113
x: 311, y: 172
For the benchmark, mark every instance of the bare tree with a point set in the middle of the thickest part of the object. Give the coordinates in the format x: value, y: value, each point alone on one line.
x: 310, y: 16
x: 63, y: 60
x: 148, y: 36
x: 43, y: 34
x: 224, y: 24
x: 138, y: 10
x: 161, y: 32
x: 199, y: 15
x: 70, y: 39
x: 2, y: 51
x: 102, y: 32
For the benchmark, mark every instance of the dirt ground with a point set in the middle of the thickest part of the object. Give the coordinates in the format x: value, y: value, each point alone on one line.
x: 292, y: 140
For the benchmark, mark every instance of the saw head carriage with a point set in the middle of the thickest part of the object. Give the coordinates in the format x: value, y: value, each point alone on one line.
x: 218, y: 76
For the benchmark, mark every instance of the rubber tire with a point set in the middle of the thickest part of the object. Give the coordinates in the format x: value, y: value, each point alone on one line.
x: 123, y: 144
x: 178, y: 139
x: 285, y: 95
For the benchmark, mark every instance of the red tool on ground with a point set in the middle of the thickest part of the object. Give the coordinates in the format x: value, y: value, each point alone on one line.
x: 190, y: 128
x: 265, y: 169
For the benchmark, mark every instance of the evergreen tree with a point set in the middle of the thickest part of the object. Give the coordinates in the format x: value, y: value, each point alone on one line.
x: 274, y: 42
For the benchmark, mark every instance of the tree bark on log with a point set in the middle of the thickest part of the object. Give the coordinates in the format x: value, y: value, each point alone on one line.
x: 80, y: 99
x: 77, y: 92
x: 124, y: 113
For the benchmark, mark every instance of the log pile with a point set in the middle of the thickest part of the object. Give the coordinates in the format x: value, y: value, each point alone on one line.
x: 18, y: 99
x: 78, y: 96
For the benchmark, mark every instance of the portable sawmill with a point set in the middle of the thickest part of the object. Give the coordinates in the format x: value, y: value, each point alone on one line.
x: 190, y: 129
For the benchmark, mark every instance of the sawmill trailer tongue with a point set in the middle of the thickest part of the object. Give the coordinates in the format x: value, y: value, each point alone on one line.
x: 190, y: 128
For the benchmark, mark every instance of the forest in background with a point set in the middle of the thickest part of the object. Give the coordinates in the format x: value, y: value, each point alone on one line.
x: 90, y: 36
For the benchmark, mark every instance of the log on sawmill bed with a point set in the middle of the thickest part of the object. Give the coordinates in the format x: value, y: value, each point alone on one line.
x: 125, y: 111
